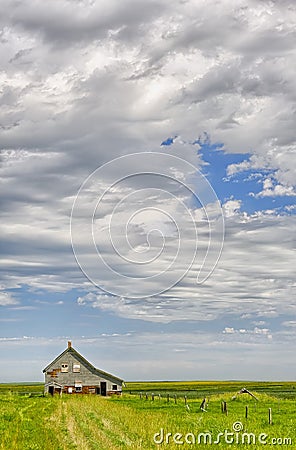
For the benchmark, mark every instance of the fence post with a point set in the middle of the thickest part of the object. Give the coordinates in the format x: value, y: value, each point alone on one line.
x: 225, y: 410
x: 269, y: 416
x: 203, y: 405
x: 175, y: 397
x: 247, y: 410
x: 168, y: 397
x: 152, y: 397
x: 140, y: 395
x: 146, y: 396
x: 185, y: 399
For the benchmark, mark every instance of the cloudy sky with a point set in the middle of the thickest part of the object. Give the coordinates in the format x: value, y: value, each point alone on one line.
x: 163, y: 128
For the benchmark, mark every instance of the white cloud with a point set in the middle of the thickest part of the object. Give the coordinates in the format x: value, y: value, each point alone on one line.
x: 231, y: 207
x: 7, y: 299
x: 289, y: 323
x: 229, y: 330
x: 277, y: 190
x: 242, y: 331
x: 271, y: 188
x: 254, y: 275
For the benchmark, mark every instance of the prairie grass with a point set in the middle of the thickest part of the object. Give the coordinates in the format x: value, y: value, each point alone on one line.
x: 130, y: 422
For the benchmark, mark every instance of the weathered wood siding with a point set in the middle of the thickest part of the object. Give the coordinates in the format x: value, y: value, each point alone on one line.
x: 88, y: 376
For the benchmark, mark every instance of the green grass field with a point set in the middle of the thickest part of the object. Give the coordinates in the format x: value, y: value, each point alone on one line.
x: 30, y: 421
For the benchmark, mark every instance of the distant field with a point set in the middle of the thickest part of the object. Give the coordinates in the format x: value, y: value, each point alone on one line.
x: 204, y: 388
x: 32, y: 422
x: 22, y: 388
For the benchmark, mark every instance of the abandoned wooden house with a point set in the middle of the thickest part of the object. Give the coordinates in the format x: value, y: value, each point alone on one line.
x: 71, y: 373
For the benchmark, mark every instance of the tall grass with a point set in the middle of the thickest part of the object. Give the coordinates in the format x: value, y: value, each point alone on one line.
x: 130, y: 422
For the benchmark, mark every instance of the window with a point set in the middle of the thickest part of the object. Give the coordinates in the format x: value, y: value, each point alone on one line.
x: 78, y: 386
x: 114, y: 387
x: 76, y: 368
x: 65, y: 368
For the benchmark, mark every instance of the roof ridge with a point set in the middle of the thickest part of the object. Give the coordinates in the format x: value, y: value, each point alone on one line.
x: 84, y: 360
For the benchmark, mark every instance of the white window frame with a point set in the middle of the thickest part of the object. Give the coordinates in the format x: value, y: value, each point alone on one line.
x: 76, y: 368
x: 78, y: 386
x: 64, y: 368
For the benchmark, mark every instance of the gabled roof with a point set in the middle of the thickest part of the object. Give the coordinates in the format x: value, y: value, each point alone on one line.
x: 84, y: 361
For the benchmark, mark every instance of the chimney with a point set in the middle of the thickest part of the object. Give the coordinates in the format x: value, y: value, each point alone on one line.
x: 69, y: 344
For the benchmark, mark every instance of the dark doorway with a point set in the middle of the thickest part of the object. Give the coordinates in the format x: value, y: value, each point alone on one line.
x: 98, y: 390
x: 103, y: 388
x: 51, y: 390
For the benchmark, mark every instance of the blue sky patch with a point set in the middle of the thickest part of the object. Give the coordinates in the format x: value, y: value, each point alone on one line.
x: 169, y: 141
x: 244, y: 185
